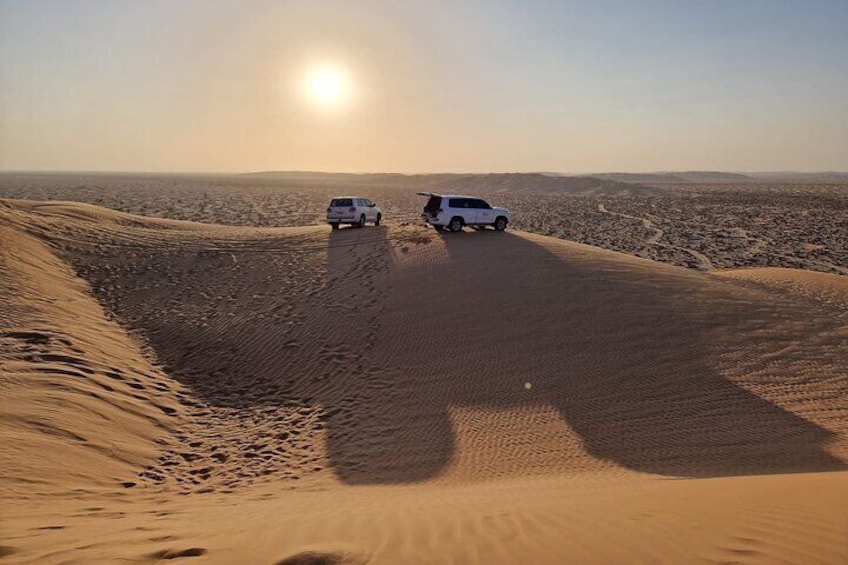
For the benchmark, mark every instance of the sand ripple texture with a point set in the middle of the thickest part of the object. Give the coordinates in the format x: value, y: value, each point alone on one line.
x: 496, y: 387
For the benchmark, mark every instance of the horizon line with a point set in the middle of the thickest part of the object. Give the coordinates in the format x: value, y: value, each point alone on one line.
x: 410, y: 174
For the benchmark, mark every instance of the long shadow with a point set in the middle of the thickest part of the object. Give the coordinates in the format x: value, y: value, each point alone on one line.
x: 624, y: 358
x: 389, y: 428
x: 624, y: 355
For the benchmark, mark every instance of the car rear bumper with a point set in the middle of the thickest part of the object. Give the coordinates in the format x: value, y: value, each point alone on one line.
x: 432, y: 220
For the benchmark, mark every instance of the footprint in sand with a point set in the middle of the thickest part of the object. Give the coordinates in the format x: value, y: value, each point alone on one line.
x: 176, y: 554
x: 353, y: 556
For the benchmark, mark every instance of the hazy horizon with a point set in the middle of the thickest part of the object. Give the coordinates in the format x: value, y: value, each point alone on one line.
x: 423, y: 87
x: 419, y: 173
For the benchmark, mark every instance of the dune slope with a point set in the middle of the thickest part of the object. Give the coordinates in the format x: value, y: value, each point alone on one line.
x: 392, y: 394
x: 81, y: 405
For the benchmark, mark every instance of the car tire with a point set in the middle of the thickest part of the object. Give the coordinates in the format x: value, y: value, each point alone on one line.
x: 500, y: 223
x: 334, y: 225
x: 377, y: 221
x: 361, y: 222
x: 455, y: 224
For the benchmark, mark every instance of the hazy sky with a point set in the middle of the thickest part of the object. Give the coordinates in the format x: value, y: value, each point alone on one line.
x: 424, y: 86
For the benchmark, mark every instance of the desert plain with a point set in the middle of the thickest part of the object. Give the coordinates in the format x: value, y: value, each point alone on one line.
x: 196, y: 369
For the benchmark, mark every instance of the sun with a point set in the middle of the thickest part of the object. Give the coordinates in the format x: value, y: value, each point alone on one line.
x: 328, y: 86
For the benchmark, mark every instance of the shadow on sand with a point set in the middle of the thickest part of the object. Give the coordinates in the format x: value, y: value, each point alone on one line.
x: 625, y: 358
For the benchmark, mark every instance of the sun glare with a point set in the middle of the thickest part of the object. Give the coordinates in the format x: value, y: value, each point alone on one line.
x: 328, y: 86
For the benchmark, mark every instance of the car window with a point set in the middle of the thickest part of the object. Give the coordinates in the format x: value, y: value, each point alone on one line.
x: 339, y: 202
x: 482, y: 204
x: 458, y: 203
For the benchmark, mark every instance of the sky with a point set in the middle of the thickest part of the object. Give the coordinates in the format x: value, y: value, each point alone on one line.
x: 424, y: 85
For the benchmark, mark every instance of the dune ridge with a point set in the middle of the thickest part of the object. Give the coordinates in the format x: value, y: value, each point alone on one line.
x: 700, y: 225
x: 392, y: 394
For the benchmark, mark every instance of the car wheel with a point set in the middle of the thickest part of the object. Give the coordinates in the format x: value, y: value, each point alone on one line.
x: 377, y: 221
x: 500, y: 223
x: 335, y: 225
x: 455, y: 224
x: 361, y: 223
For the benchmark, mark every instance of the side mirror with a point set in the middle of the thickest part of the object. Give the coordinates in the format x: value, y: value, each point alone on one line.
x: 371, y: 205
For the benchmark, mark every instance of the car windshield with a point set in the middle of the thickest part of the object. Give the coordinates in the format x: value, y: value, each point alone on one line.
x: 341, y: 202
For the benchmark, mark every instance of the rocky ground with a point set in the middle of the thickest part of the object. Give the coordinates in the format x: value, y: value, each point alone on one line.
x: 697, y: 225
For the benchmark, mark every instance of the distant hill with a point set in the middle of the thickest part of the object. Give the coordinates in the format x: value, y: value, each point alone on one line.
x: 682, y: 176
x: 639, y: 177
x: 827, y: 177
x: 539, y: 183
x: 515, y: 183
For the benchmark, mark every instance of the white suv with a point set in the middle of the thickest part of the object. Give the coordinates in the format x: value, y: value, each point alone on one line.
x: 353, y: 210
x: 454, y: 212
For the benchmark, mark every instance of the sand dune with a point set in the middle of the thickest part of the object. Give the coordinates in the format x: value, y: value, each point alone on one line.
x: 212, y: 394
x: 77, y: 393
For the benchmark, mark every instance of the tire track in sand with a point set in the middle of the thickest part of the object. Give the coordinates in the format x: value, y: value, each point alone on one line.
x: 704, y: 262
